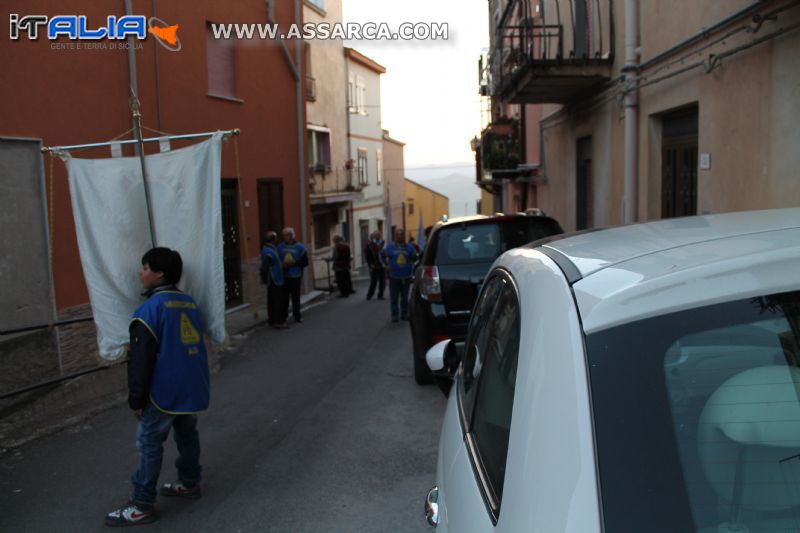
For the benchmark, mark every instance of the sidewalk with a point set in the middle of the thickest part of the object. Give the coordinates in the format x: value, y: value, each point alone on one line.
x: 249, y: 316
x: 57, y: 407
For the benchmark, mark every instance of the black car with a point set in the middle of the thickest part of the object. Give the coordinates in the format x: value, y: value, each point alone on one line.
x: 457, y: 257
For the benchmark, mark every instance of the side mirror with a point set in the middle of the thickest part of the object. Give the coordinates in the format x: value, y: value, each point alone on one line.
x: 435, y: 356
x: 443, y: 359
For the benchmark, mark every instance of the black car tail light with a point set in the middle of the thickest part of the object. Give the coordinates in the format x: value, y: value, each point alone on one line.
x: 429, y: 287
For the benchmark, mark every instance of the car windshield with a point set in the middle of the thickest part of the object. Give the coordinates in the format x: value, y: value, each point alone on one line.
x: 697, y: 418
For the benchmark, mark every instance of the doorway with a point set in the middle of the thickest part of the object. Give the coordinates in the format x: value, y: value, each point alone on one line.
x: 270, y: 206
x: 231, y: 246
x: 679, y: 163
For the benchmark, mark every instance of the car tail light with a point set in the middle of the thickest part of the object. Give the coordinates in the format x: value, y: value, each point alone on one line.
x: 429, y: 287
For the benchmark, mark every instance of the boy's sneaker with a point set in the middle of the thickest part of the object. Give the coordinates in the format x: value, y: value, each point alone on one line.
x: 180, y: 490
x: 130, y: 515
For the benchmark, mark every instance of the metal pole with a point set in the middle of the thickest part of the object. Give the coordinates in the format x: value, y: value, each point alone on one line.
x: 137, y: 121
x: 137, y: 131
x: 136, y: 141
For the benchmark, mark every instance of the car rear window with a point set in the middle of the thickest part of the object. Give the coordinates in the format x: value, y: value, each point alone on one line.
x: 697, y: 418
x: 483, y: 243
x: 468, y: 244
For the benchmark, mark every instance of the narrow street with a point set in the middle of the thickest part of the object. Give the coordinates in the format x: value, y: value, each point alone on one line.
x: 316, y: 428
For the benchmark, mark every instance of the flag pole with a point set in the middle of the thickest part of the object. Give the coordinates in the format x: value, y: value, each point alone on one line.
x: 137, y: 132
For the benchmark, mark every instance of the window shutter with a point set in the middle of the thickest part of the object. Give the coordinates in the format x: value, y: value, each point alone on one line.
x: 221, y: 58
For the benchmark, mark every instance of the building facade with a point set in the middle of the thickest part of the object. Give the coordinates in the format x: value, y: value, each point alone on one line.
x: 394, y: 172
x: 56, y: 93
x: 648, y: 110
x: 331, y: 185
x: 424, y: 207
x: 366, y: 147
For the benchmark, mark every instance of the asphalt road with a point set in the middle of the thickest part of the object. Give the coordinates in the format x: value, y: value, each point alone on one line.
x: 316, y: 428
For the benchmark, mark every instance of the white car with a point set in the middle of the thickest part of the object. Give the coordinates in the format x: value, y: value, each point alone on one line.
x: 636, y: 379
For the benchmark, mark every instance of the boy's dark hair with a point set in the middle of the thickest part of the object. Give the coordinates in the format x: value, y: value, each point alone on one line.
x: 164, y: 260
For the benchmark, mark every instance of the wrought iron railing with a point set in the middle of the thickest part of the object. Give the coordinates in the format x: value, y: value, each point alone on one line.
x: 550, y: 32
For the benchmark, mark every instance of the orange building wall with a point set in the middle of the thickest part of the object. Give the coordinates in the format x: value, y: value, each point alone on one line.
x: 80, y: 96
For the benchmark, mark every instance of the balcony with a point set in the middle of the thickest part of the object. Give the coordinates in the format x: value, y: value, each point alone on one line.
x: 332, y: 185
x: 549, y: 51
x: 501, y: 149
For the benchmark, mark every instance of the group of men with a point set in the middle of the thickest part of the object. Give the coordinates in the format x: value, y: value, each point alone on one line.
x: 282, y: 268
x: 282, y: 265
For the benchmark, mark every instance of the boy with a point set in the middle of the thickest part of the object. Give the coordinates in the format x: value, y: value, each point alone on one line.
x: 168, y: 383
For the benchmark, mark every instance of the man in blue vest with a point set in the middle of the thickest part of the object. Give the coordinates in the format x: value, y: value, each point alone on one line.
x: 399, y: 257
x: 294, y: 259
x: 272, y: 275
x: 168, y: 383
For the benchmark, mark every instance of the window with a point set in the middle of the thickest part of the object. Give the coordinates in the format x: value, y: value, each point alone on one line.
x: 311, y: 83
x: 351, y: 92
x: 476, y: 342
x: 221, y: 60
x: 487, y: 383
x: 319, y: 4
x: 379, y: 166
x: 469, y: 244
x: 361, y: 96
x: 410, y: 206
x: 319, y: 149
x: 696, y: 418
x: 363, y: 178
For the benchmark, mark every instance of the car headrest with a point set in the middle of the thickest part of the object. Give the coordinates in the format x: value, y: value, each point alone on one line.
x: 749, y: 435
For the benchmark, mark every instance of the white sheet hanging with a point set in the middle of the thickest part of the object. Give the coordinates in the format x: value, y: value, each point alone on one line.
x: 108, y: 203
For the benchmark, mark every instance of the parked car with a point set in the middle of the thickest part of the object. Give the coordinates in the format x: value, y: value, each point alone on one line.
x: 642, y: 378
x: 456, y: 259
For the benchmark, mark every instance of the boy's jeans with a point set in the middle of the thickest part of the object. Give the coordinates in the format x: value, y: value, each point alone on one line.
x: 150, y: 436
x: 398, y: 290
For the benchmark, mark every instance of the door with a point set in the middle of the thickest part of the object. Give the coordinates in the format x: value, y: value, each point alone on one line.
x: 363, y: 233
x: 270, y: 206
x: 231, y: 245
x: 679, y: 164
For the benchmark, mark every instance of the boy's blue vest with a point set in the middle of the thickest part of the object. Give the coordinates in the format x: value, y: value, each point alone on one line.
x: 290, y: 255
x: 401, y: 259
x: 180, y: 383
x: 275, y: 268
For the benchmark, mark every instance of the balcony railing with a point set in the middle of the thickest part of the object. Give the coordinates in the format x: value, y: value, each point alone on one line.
x: 326, y: 182
x: 549, y: 50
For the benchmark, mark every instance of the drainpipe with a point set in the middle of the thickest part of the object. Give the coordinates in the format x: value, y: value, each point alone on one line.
x: 301, y: 138
x: 631, y: 103
x: 300, y: 127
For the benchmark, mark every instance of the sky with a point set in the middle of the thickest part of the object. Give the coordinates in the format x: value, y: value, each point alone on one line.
x: 429, y: 94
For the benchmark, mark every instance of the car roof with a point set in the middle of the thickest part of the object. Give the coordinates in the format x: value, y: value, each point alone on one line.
x: 594, y: 250
x: 628, y: 273
x: 486, y: 219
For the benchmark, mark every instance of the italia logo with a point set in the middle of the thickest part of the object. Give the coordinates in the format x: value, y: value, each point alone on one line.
x: 77, y: 28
